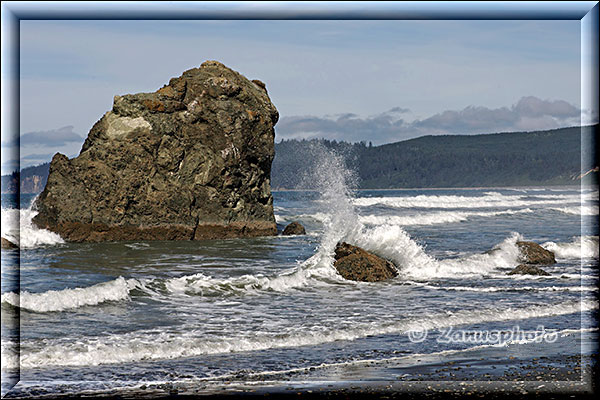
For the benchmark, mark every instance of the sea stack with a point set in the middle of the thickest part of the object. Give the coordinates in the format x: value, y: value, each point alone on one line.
x: 190, y: 161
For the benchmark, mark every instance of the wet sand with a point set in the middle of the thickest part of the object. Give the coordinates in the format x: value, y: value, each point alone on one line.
x: 556, y: 377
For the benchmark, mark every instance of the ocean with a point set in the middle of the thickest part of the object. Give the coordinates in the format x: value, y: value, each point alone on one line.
x: 210, y: 315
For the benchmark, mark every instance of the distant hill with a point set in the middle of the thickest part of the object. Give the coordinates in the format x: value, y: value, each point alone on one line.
x: 33, y: 179
x: 502, y: 159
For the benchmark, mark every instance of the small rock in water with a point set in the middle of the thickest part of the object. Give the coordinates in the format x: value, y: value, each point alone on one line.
x: 525, y: 269
x: 294, y: 228
x: 7, y: 244
x: 356, y: 264
x: 533, y: 253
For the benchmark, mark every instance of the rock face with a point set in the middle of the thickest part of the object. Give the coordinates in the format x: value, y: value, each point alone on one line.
x: 356, y: 264
x: 189, y: 161
x: 7, y: 244
x: 533, y: 253
x: 525, y: 269
x: 294, y: 228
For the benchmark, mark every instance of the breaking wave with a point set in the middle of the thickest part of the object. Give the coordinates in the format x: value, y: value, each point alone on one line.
x: 494, y: 289
x: 381, y: 235
x: 145, y: 345
x: 61, y: 300
x: 488, y: 200
x: 578, y: 210
x: 17, y: 226
x: 580, y: 247
x: 434, y: 218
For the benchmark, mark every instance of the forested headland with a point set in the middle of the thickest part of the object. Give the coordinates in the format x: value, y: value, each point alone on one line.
x: 550, y: 157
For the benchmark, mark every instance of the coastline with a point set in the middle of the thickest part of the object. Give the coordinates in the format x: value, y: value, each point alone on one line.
x: 528, y: 378
x: 531, y: 370
x: 586, y: 186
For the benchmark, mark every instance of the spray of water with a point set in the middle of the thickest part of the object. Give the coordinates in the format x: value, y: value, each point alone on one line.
x: 329, y: 176
x: 336, y: 183
x: 18, y: 227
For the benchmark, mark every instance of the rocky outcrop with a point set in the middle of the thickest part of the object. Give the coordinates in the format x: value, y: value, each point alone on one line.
x: 526, y: 269
x: 7, y: 244
x: 189, y: 161
x: 294, y: 228
x: 533, y: 253
x: 356, y: 264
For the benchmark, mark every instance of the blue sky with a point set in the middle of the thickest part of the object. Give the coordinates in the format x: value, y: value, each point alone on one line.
x: 379, y: 81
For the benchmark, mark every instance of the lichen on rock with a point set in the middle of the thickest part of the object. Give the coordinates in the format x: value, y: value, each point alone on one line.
x: 189, y: 161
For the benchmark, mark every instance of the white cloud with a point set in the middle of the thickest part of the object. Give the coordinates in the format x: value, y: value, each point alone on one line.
x: 528, y: 114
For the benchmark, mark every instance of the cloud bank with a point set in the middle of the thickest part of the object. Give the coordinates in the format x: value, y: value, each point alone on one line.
x: 528, y: 114
x: 53, y: 138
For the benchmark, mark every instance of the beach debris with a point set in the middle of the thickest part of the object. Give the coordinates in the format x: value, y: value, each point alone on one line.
x: 357, y: 264
x: 190, y: 161
x: 533, y: 253
x: 294, y: 228
x: 528, y: 269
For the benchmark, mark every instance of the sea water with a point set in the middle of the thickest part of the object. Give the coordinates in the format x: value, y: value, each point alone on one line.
x: 99, y: 316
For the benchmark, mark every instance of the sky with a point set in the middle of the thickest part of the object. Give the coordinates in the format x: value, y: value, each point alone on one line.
x: 374, y: 81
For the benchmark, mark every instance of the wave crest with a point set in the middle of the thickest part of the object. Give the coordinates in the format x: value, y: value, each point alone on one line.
x: 18, y: 227
x: 66, y: 299
x: 138, y: 346
x: 580, y: 247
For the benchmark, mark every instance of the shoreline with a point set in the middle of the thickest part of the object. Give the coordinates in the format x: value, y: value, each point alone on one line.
x: 530, y: 370
x: 525, y: 378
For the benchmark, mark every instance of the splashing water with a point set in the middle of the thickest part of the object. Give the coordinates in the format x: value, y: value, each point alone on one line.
x: 18, y: 227
x: 335, y: 182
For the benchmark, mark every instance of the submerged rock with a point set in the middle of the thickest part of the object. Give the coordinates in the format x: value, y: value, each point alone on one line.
x: 533, y: 253
x: 294, y: 228
x: 7, y: 244
x: 526, y: 269
x: 356, y: 264
x: 189, y: 161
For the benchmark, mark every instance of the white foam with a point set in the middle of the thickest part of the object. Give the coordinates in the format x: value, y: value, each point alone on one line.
x: 389, y: 240
x: 494, y: 289
x: 393, y: 243
x: 311, y: 273
x: 17, y: 226
x: 489, y: 199
x: 580, y: 247
x: 434, y: 218
x: 578, y: 210
x: 590, y: 196
x: 66, y: 299
x: 149, y: 345
x: 138, y: 246
x: 10, y: 355
x: 200, y: 284
x: 416, y: 357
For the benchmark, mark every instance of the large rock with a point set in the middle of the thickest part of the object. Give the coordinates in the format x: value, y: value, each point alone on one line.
x: 294, y: 228
x: 526, y: 269
x: 189, y: 161
x: 7, y: 244
x: 357, y: 264
x: 533, y: 253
